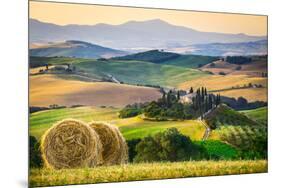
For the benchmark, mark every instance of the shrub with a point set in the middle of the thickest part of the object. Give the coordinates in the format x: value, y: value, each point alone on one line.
x: 129, y: 112
x: 169, y: 145
x: 222, y: 73
x: 34, y: 153
x: 33, y: 109
x: 132, y: 148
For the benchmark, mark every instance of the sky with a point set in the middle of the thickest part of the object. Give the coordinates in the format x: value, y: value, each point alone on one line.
x: 82, y: 14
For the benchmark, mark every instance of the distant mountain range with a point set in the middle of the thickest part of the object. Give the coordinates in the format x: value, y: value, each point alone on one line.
x: 73, y: 48
x: 133, y: 35
x: 224, y: 49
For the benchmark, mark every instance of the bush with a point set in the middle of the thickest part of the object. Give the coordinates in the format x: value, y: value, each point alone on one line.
x: 129, y: 112
x: 33, y: 109
x: 34, y: 153
x: 222, y: 73
x: 169, y: 145
x: 132, y: 148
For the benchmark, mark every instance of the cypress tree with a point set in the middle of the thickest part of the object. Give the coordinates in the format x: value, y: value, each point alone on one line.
x: 210, y: 102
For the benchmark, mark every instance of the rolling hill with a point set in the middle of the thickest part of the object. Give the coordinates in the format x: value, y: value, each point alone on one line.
x: 224, y: 115
x: 259, y: 115
x: 141, y: 72
x: 139, y: 35
x: 256, y: 67
x: 231, y: 86
x: 132, y: 72
x: 35, y: 61
x: 154, y: 56
x: 168, y: 58
x: 72, y: 48
x: 48, y: 89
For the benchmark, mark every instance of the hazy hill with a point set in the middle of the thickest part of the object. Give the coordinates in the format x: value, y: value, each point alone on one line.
x: 231, y: 49
x: 73, y: 48
x: 133, y: 35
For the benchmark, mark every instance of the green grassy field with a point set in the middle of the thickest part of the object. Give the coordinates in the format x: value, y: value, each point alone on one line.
x: 41, y: 61
x: 259, y: 115
x: 140, y: 72
x: 144, y: 171
x: 133, y: 72
x: 217, y: 149
x: 131, y: 128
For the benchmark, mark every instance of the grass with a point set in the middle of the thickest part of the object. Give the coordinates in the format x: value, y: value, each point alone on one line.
x: 133, y: 72
x: 218, y: 150
x: 131, y: 128
x: 259, y: 115
x: 144, y: 171
x: 140, y: 72
x: 192, y: 128
x: 41, y: 121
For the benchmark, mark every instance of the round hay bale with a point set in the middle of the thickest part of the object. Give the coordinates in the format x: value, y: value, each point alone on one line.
x: 71, y: 144
x: 115, y: 150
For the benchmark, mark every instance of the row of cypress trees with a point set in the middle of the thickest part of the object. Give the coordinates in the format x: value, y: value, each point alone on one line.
x: 202, y: 102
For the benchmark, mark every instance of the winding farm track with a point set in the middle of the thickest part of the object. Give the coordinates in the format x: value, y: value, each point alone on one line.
x: 208, y: 130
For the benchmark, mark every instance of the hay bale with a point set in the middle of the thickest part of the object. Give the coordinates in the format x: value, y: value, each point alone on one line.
x: 71, y: 144
x: 115, y: 150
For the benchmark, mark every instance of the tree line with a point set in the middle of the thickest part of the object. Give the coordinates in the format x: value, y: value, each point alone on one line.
x: 202, y: 102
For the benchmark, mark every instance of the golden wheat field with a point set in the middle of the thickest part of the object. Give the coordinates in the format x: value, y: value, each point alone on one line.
x: 253, y: 69
x: 251, y: 94
x: 220, y: 82
x: 50, y: 89
x: 144, y: 171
